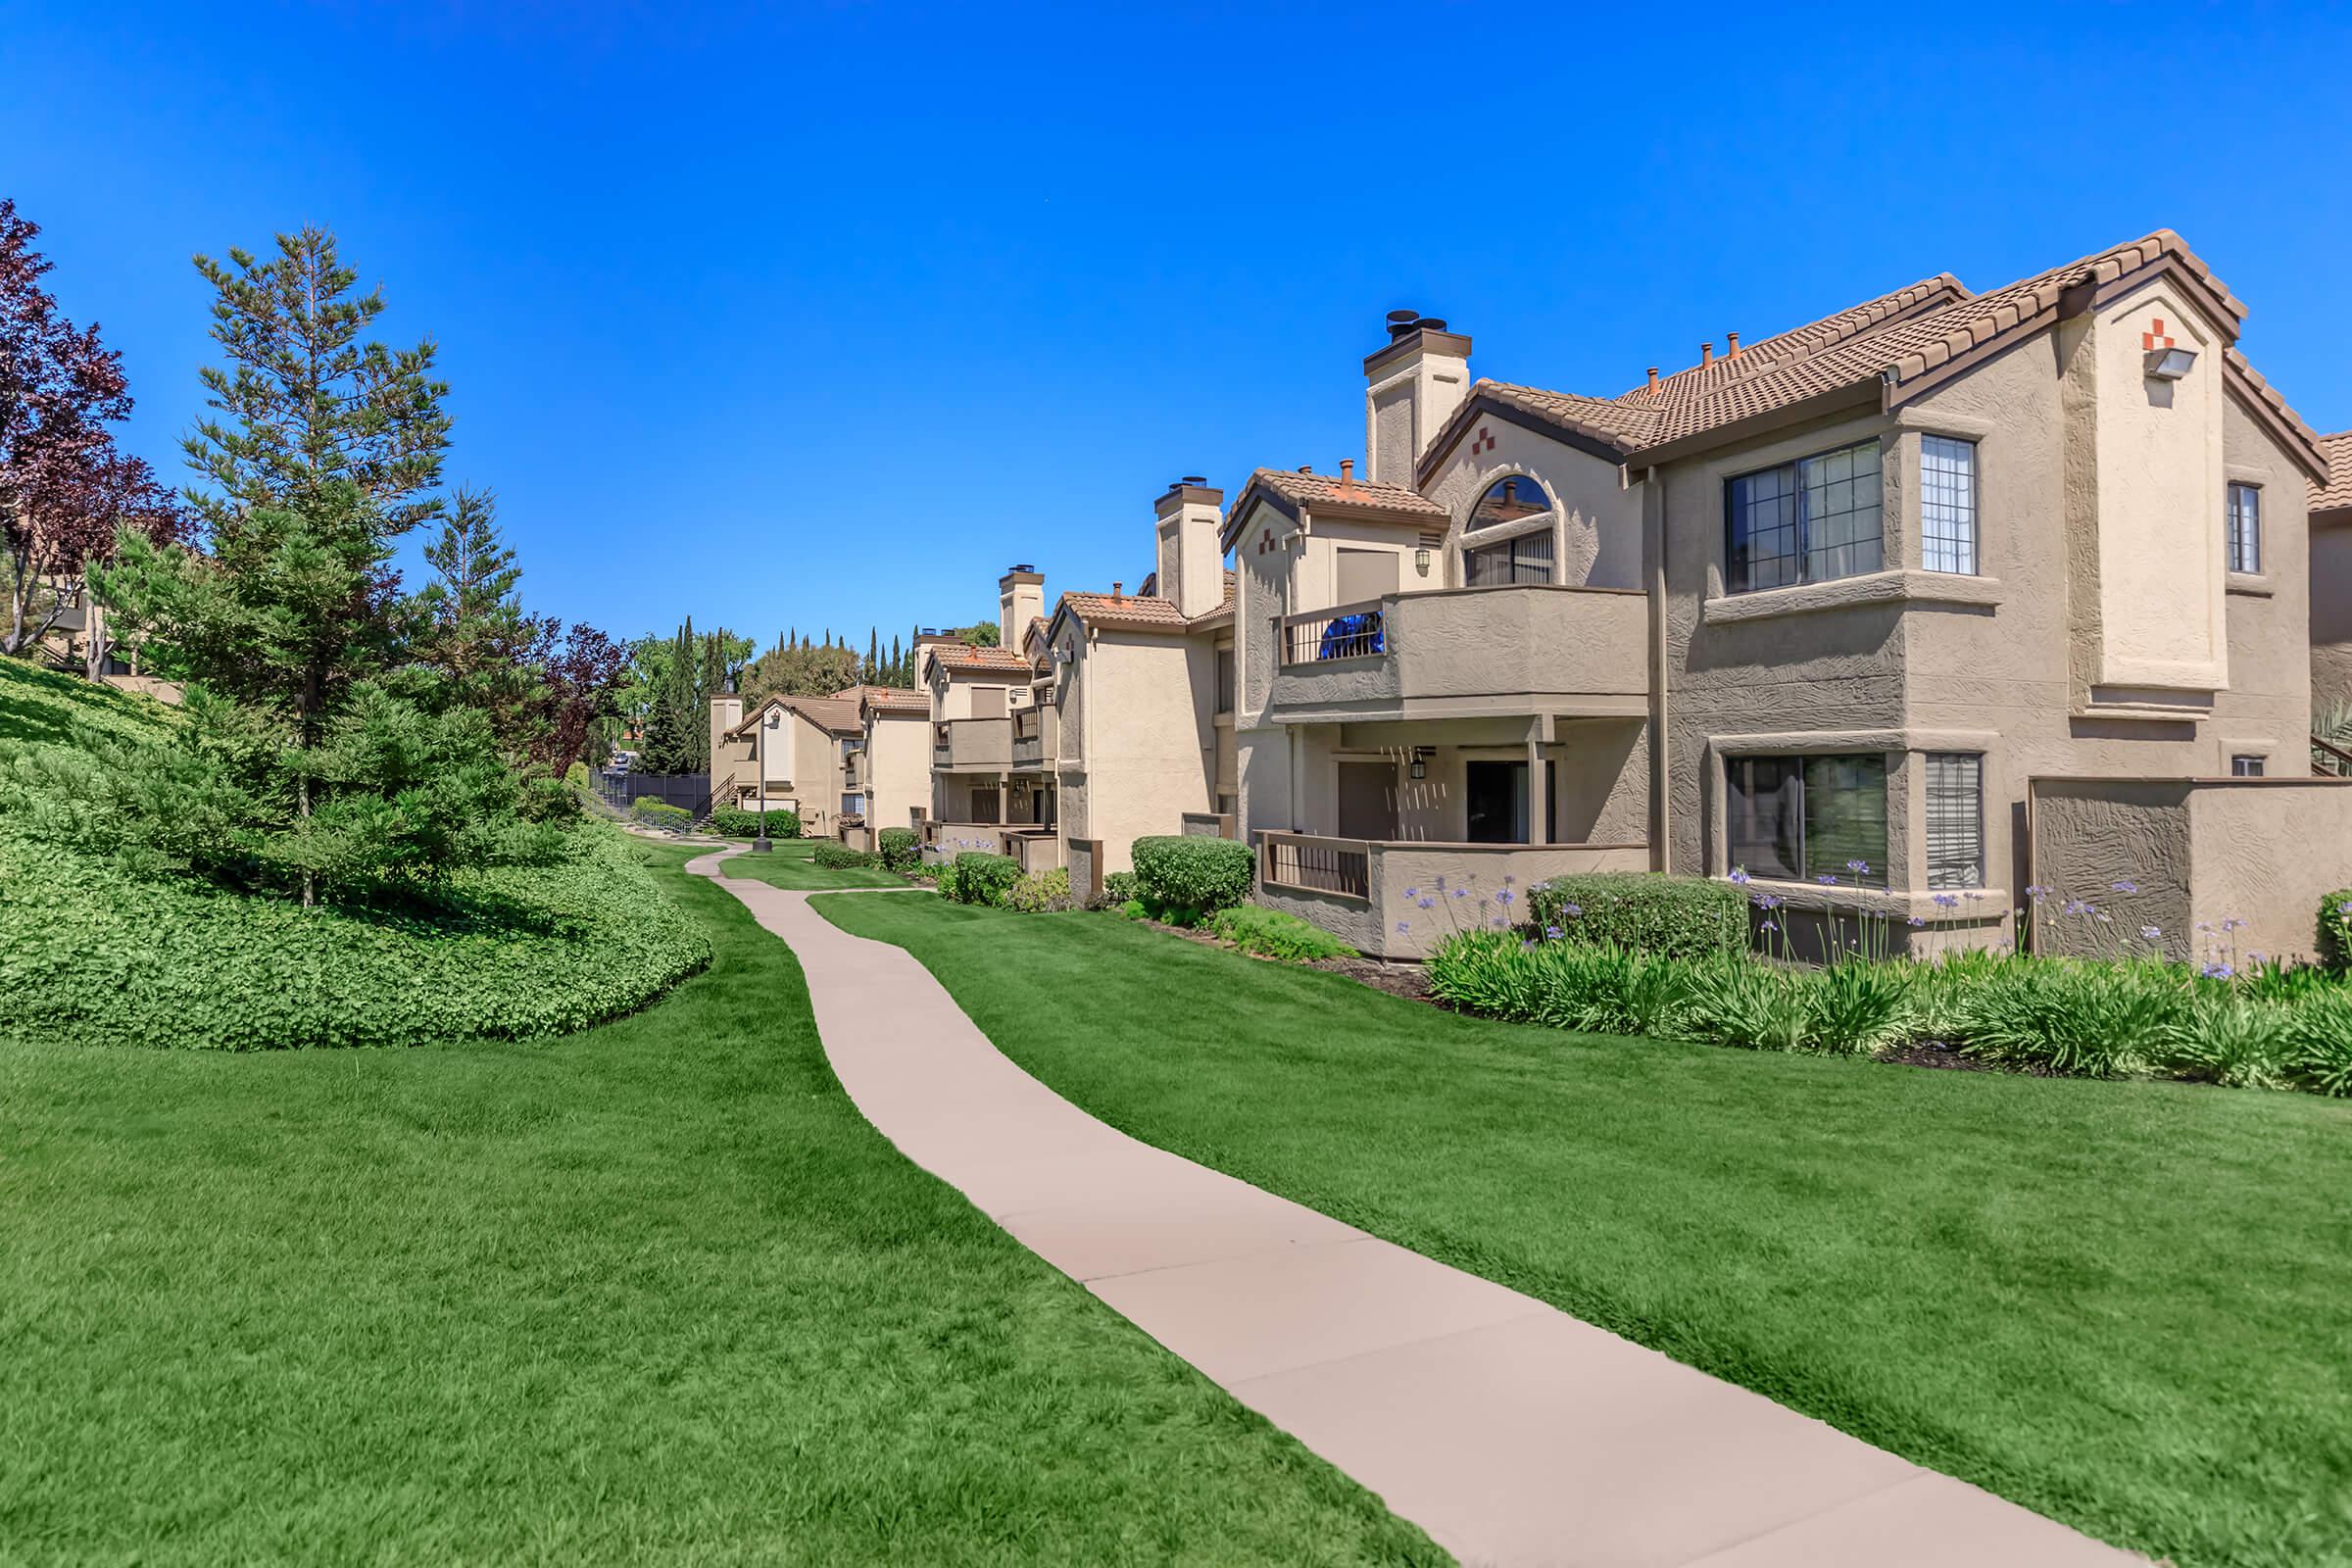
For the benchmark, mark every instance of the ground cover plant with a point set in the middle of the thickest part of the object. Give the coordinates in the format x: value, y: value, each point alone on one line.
x: 1041, y: 893
x: 1273, y: 934
x: 792, y: 864
x: 654, y: 1291
x: 2120, y: 1304
x: 98, y: 949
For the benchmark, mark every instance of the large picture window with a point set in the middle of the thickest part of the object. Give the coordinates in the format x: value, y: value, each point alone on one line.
x: 1802, y: 818
x: 1947, y: 505
x: 1810, y: 521
x: 1526, y: 558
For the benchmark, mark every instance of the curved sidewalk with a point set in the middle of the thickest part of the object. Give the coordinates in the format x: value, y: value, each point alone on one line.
x: 1507, y: 1430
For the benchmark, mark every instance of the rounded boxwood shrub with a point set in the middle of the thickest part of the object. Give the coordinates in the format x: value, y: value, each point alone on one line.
x: 1121, y: 888
x: 837, y: 856
x: 1198, y: 875
x: 1041, y: 893
x: 901, y: 847
x: 660, y: 813
x: 1676, y: 916
x: 734, y: 822
x: 981, y: 877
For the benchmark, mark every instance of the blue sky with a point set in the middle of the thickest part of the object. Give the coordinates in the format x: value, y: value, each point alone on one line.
x: 819, y: 316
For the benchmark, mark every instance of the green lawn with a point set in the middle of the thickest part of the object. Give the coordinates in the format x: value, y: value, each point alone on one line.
x: 788, y: 865
x: 651, y: 1292
x: 2125, y: 1305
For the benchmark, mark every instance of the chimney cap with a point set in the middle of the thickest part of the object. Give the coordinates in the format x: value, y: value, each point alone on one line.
x: 1194, y: 478
x: 1430, y: 323
x: 1733, y: 339
x: 1401, y: 322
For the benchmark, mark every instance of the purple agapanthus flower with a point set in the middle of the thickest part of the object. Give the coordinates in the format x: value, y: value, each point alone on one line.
x: 1572, y: 911
x: 2035, y: 890
x: 2218, y: 971
x: 1768, y: 926
x: 1948, y: 901
x: 2149, y: 933
x: 1412, y: 893
x: 1403, y: 926
x: 1461, y: 893
x: 1504, y: 896
x: 1552, y: 933
x: 1827, y: 879
x: 1858, y: 867
x: 1428, y: 901
x: 2126, y: 886
x: 1919, y: 920
x: 1741, y: 878
x: 2077, y: 906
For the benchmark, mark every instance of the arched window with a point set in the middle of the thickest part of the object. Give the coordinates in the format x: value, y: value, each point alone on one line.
x: 1508, y: 498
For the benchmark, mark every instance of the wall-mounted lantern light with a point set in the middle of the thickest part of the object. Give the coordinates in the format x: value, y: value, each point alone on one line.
x: 1420, y: 763
x: 2170, y: 364
x: 1421, y: 561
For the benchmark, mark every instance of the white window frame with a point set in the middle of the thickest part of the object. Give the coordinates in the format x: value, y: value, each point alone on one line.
x: 1961, y: 552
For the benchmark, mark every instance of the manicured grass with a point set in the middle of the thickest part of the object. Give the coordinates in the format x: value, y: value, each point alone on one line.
x: 2125, y: 1305
x: 788, y: 865
x: 650, y: 1293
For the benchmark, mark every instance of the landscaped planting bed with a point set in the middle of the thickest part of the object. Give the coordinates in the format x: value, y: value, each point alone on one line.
x: 2118, y: 1303
x: 2231, y: 1019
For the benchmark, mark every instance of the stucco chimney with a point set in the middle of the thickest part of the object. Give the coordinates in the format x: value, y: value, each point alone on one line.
x: 1192, y: 567
x: 1421, y: 376
x: 1021, y: 599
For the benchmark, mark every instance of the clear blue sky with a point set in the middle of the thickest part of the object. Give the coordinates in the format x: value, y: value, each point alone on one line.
x: 821, y: 316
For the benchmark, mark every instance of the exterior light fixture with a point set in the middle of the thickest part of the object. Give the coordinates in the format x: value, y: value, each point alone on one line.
x: 2170, y: 364
x: 1420, y: 765
x: 1421, y: 561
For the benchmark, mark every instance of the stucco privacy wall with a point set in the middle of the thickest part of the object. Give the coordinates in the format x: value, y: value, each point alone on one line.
x: 1371, y: 926
x: 2199, y: 852
x: 1150, y: 755
x: 897, y: 751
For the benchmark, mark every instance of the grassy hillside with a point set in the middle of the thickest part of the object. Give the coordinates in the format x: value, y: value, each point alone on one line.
x: 90, y: 953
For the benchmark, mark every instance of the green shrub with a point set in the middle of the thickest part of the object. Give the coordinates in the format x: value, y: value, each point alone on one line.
x: 1675, y: 917
x: 2223, y: 1038
x: 950, y: 886
x: 901, y: 847
x: 1272, y: 933
x: 93, y: 954
x: 835, y: 856
x: 1738, y: 1001
x: 660, y: 813
x: 735, y: 822
x: 2335, y: 931
x: 1859, y: 1006
x: 981, y: 877
x: 1133, y: 909
x: 575, y: 777
x: 1123, y: 887
x: 1592, y: 989
x: 2318, y: 1054
x: 1202, y: 875
x: 1041, y: 893
x: 2090, y: 1019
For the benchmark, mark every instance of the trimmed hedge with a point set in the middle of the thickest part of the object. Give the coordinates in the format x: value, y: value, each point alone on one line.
x: 978, y: 877
x: 901, y: 849
x: 734, y: 822
x: 2335, y: 930
x: 835, y: 856
x: 1199, y: 875
x: 1121, y: 888
x: 1673, y: 916
x: 660, y: 813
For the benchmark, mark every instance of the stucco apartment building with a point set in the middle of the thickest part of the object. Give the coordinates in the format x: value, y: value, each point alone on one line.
x: 1107, y: 721
x: 788, y: 753
x: 888, y: 773
x: 1845, y: 603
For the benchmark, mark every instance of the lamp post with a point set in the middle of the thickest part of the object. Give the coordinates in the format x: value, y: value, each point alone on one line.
x: 760, y: 846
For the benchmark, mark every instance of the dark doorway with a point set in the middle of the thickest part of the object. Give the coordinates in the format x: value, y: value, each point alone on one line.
x: 983, y: 805
x: 1496, y: 804
x: 1367, y: 800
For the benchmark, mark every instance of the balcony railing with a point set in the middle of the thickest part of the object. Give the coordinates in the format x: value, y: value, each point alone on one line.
x: 972, y: 743
x: 1316, y: 864
x: 1343, y: 631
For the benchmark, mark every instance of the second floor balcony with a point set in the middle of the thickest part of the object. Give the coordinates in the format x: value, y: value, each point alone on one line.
x: 971, y: 745
x: 1507, y: 649
x: 1034, y: 736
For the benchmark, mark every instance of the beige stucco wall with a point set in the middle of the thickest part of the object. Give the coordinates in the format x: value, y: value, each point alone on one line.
x: 1595, y: 521
x: 897, y: 752
x: 2196, y: 854
x: 1141, y: 735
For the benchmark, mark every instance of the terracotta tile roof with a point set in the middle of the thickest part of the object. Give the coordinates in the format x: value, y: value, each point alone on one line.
x: 895, y: 700
x: 834, y: 713
x: 1144, y: 611
x: 859, y: 694
x: 962, y: 656
x: 1897, y: 338
x: 2337, y: 494
x: 1330, y: 489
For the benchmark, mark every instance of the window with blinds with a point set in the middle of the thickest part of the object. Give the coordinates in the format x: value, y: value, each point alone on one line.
x: 2245, y: 528
x: 1955, y: 819
x: 1524, y: 560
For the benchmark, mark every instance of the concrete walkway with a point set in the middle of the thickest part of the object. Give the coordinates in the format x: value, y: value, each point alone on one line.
x: 1509, y: 1431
